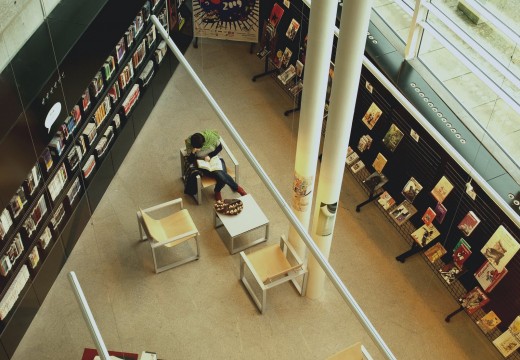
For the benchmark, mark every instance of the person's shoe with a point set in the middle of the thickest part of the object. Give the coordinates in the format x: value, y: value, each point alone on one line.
x: 241, y: 191
x: 218, y: 196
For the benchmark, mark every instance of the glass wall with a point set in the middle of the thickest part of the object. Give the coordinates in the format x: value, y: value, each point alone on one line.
x: 471, y: 48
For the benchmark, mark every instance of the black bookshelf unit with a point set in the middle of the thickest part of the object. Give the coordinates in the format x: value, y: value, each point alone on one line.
x: 48, y: 190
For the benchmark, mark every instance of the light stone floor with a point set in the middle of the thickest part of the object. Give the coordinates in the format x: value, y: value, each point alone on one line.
x: 200, y: 310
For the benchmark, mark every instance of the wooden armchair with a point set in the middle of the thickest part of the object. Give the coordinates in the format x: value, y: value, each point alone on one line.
x: 169, y: 231
x: 206, y: 181
x: 271, y: 266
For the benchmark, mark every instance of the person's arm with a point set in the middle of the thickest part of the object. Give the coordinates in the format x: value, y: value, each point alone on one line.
x: 216, y: 151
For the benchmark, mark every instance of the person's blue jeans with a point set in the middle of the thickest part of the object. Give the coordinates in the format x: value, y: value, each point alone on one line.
x: 222, y: 177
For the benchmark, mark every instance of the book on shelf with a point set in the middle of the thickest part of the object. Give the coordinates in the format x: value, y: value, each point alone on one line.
x: 151, y: 36
x: 17, y: 202
x: 428, y: 216
x: 488, y: 277
x: 450, y: 272
x: 58, y: 182
x: 5, y: 223
x: 82, y: 145
x: 102, y: 111
x: 146, y: 11
x: 386, y: 200
x: 425, y: 234
x: 33, y: 179
x: 85, y: 100
x: 357, y: 166
x: 5, y: 265
x: 160, y: 52
x: 287, y: 75
x: 403, y: 212
x: 435, y: 252
x: 56, y: 145
x: 299, y: 68
x: 74, y: 190
x: 116, y: 120
x: 15, y: 249
x: 147, y: 73
x: 129, y: 36
x: 379, y: 163
x: 353, y: 157
x: 139, y: 54
x: 163, y: 19
x: 31, y: 222
x: 442, y: 189
x: 514, y: 327
x: 58, y: 216
x: 96, y: 85
x: 474, y: 300
x: 47, y: 159
x: 440, y: 212
x: 108, y: 67
x: 364, y: 143
x: 34, y: 257
x: 13, y: 292
x: 74, y: 157
x: 286, y: 58
x: 392, y: 137
x: 45, y: 238
x: 507, y: 343
x: 131, y: 99
x: 212, y: 165
x: 488, y: 322
x: 70, y: 124
x: 411, y: 189
x: 114, y: 92
x: 101, y: 146
x: 138, y: 23
x: 468, y: 223
x: 126, y: 75
x: 90, y: 133
x: 120, y: 50
x: 297, y: 88
x: 76, y: 113
x: 90, y: 164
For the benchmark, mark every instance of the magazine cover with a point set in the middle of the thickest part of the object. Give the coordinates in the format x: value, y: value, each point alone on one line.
x: 374, y: 181
x: 386, y: 200
x: 393, y: 137
x: 440, y: 211
x: 488, y: 277
x: 514, y: 327
x: 292, y: 29
x: 379, y: 163
x: 372, y: 116
x: 468, y: 223
x: 500, y: 248
x: 425, y: 234
x: 411, y: 189
x: 506, y: 343
x: 461, y: 253
x: 428, y: 216
x: 474, y: 300
x: 435, y: 252
x: 488, y: 322
x: 442, y: 189
x: 403, y: 212
x: 450, y: 272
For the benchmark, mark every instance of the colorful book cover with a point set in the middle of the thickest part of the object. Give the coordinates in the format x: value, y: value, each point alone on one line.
x: 292, y: 29
x: 474, y: 300
x: 411, y: 189
x: 500, y: 248
x: 506, y: 343
x: 276, y: 15
x: 442, y: 189
x: 393, y: 137
x: 468, y: 223
x: 379, y: 163
x: 440, y: 211
x: 435, y: 252
x: 425, y: 234
x: 488, y: 322
x: 386, y: 200
x: 461, y: 253
x: 372, y: 116
x: 428, y: 216
x: 488, y: 277
x: 287, y: 54
x: 450, y: 272
x: 514, y: 327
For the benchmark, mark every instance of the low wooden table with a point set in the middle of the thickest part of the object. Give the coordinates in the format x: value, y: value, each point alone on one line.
x: 251, y: 218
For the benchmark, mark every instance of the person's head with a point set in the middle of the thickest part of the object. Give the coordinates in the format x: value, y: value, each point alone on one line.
x: 197, y: 140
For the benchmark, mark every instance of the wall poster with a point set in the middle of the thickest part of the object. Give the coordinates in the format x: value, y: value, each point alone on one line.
x: 226, y: 19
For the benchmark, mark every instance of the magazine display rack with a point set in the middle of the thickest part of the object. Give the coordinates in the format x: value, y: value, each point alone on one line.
x: 45, y: 217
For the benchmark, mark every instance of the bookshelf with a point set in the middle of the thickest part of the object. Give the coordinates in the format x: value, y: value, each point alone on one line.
x: 62, y: 177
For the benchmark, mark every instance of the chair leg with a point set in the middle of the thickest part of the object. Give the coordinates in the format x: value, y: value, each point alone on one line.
x: 155, y: 261
x: 139, y: 219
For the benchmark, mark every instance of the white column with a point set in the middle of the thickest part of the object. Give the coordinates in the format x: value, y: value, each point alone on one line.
x: 349, y: 58
x: 319, y: 49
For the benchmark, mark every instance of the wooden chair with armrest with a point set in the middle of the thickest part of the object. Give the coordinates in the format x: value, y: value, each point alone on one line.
x: 272, y: 266
x: 169, y: 231
x: 203, y: 182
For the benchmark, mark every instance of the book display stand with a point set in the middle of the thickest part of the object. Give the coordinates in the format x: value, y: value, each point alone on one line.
x: 110, y: 93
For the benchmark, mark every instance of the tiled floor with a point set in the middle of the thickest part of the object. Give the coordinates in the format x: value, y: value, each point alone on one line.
x: 200, y: 310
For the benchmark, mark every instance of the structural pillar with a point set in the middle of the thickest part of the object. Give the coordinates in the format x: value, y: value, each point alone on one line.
x: 349, y: 58
x: 317, y: 63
